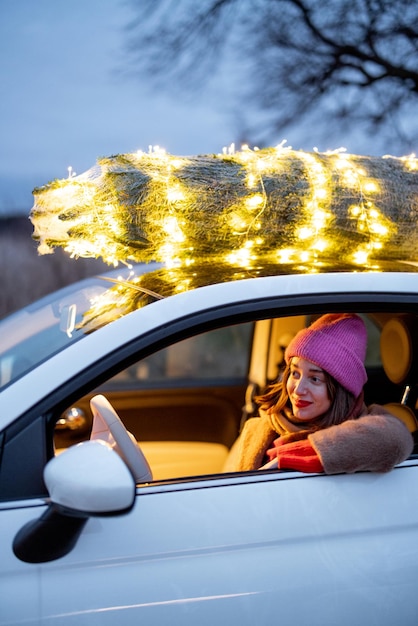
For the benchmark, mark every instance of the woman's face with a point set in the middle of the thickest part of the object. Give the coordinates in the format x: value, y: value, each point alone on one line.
x: 307, y: 389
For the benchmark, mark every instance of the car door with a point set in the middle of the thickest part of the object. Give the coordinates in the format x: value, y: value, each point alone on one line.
x: 247, y: 549
x: 20, y: 583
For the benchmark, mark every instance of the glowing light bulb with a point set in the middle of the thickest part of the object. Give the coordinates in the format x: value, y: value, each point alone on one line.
x: 175, y: 194
x: 378, y: 229
x: 355, y: 210
x: 371, y: 187
x: 360, y: 257
x: 253, y: 202
x: 251, y: 181
x: 240, y: 257
x: 319, y: 218
x: 172, y: 228
x: 305, y: 232
x: 320, y: 245
x: 411, y: 162
x: 285, y: 255
x: 321, y: 194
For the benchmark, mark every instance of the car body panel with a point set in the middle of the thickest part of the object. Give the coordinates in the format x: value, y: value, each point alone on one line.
x: 274, y: 545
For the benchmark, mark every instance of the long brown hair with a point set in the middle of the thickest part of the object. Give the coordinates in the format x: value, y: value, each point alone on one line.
x: 344, y: 405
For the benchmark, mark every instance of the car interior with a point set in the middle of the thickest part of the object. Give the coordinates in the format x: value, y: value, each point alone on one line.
x: 186, y: 404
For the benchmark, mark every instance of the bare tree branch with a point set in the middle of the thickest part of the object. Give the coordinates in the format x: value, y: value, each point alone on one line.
x: 288, y: 56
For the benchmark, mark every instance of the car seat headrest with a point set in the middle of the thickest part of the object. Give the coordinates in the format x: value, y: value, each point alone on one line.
x: 396, y: 349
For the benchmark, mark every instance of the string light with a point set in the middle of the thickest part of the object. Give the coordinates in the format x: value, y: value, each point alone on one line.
x: 234, y: 208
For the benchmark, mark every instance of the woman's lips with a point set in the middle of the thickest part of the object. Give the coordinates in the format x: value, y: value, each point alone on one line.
x: 302, y: 404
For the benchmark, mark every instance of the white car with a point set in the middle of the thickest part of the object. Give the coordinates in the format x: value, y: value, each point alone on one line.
x: 156, y: 531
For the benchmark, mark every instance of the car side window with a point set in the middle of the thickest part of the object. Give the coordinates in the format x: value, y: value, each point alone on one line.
x: 373, y: 358
x: 221, y: 354
x: 183, y: 403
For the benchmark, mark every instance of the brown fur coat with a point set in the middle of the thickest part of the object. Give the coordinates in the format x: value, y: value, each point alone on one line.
x: 376, y: 441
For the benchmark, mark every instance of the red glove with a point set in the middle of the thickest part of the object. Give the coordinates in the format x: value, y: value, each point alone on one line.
x: 297, y: 455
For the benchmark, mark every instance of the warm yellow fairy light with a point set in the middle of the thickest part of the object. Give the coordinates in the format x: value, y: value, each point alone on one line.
x: 340, y: 161
x: 167, y: 253
x: 173, y: 230
x: 378, y: 229
x: 229, y: 149
x: 352, y: 174
x: 320, y: 245
x: 286, y: 255
x: 255, y: 201
x: 241, y: 257
x: 320, y: 218
x: 350, y: 178
x: 251, y: 181
x: 176, y: 163
x: 157, y: 151
x: 261, y: 165
x: 281, y: 147
x: 110, y: 216
x: 317, y: 205
x: 370, y: 187
x: 237, y: 207
x: 237, y: 223
x: 79, y: 249
x: 175, y: 194
x: 321, y: 193
x: 107, y: 298
x: 360, y: 257
x: 305, y: 232
x: 354, y: 210
x: 411, y: 162
x: 183, y: 286
x: 245, y: 155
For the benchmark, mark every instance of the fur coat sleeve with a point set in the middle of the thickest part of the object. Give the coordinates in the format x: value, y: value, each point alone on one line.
x: 375, y: 442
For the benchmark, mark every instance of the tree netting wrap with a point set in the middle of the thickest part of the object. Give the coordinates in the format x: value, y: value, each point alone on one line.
x: 235, y: 208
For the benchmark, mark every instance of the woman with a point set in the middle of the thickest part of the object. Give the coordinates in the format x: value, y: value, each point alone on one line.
x: 314, y: 419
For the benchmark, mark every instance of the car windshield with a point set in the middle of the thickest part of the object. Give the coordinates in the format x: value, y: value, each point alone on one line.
x: 36, y: 332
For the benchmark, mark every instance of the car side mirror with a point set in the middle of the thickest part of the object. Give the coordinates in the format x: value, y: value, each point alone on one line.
x: 84, y: 480
x: 91, y: 478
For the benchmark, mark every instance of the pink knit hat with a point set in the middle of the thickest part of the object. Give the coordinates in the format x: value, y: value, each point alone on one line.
x: 337, y: 344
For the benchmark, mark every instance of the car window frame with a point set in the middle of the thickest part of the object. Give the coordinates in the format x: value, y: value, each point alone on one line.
x: 47, y: 411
